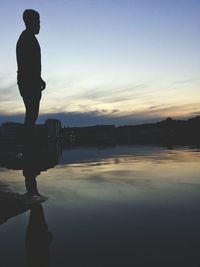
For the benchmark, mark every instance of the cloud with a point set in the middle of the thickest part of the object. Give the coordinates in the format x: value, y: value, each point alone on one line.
x: 112, y: 116
x: 197, y: 113
x: 85, y: 119
x: 186, y: 81
x: 153, y: 107
x: 112, y: 95
x: 8, y: 91
x: 135, y: 104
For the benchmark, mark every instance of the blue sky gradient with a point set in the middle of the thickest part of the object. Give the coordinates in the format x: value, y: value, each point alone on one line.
x: 115, y: 61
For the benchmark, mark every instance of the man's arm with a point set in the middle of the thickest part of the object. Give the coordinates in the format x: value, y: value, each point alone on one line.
x: 43, y: 84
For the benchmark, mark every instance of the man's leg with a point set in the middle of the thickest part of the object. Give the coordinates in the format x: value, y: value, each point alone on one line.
x: 32, y: 109
x: 31, y: 185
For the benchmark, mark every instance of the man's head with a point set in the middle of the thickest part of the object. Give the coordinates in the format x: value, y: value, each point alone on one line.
x: 32, y: 20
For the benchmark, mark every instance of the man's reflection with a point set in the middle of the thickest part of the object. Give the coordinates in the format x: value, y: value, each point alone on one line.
x: 38, y: 239
x: 32, y: 161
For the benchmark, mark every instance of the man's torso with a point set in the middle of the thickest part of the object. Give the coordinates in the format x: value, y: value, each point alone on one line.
x: 28, y: 62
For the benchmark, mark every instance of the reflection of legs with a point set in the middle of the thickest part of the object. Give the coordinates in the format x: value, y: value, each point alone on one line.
x: 38, y: 239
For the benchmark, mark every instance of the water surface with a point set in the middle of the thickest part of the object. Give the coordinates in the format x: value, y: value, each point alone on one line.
x: 110, y: 206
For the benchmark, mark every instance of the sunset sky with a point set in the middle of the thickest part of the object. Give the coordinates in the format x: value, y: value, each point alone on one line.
x: 107, y: 61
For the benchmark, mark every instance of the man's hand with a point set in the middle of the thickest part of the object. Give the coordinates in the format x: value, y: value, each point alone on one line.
x: 43, y: 85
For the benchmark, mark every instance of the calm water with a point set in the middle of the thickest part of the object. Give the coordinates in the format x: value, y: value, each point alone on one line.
x: 120, y: 206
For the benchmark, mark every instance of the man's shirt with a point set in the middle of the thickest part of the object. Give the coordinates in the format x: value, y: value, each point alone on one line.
x: 28, y: 61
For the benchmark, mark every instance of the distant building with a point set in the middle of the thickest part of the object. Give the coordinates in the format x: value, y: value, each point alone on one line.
x: 11, y: 130
x: 53, y: 128
x: 93, y: 134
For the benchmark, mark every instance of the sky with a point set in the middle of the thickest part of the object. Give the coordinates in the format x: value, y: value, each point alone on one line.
x: 107, y: 61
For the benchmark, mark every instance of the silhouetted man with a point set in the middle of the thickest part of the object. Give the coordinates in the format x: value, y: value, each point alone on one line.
x: 29, y: 69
